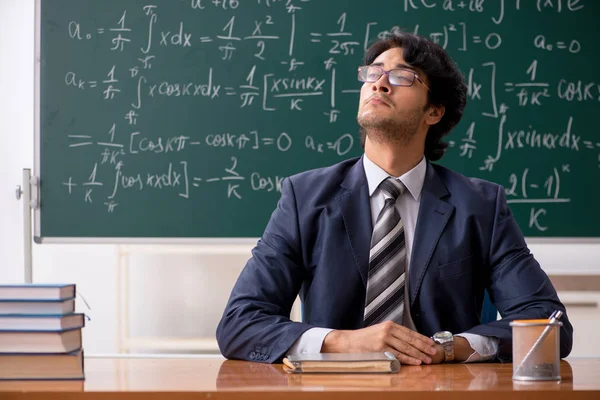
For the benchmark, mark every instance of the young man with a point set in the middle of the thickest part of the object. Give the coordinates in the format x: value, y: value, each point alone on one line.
x: 389, y: 251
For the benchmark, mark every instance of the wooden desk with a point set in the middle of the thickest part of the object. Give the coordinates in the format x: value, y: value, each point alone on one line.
x: 219, y: 379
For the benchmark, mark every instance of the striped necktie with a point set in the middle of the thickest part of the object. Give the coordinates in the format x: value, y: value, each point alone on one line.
x: 385, y: 284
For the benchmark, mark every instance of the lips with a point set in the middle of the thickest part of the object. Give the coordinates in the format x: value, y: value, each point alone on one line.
x: 378, y: 100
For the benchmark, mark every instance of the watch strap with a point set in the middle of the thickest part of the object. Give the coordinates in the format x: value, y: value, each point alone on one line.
x: 449, y: 350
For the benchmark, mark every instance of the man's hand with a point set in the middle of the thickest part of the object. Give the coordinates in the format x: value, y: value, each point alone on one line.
x: 409, y: 346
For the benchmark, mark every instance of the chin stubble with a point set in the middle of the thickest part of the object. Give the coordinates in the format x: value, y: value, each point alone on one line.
x: 387, y: 130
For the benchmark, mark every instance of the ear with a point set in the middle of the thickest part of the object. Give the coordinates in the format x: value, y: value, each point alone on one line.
x: 434, y: 114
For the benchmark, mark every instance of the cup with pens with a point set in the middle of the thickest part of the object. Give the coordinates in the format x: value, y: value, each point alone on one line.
x: 536, y: 348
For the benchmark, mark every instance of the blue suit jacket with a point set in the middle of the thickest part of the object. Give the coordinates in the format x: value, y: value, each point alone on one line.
x: 317, y: 244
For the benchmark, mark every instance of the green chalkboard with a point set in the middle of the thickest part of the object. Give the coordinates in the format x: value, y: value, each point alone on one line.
x: 179, y: 119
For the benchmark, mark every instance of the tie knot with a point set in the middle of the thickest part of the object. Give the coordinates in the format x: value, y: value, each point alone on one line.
x: 392, y: 188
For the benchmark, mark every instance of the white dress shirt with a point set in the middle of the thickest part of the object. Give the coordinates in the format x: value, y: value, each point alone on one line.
x: 407, y: 204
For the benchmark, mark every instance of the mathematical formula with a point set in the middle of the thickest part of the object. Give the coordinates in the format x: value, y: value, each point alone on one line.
x: 292, y: 65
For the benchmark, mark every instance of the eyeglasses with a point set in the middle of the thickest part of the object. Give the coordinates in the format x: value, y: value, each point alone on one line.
x: 396, y: 76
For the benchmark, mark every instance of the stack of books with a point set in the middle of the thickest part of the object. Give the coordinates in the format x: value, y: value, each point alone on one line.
x: 40, y: 333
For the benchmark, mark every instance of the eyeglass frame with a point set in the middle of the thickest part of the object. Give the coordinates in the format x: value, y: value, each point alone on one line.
x: 387, y: 74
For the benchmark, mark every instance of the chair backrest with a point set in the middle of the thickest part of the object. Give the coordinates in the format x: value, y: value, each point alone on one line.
x: 489, y: 313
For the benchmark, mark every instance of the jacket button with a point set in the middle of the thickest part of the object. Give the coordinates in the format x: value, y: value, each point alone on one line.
x: 252, y: 355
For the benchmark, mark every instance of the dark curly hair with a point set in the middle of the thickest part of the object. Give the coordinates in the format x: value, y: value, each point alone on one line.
x: 445, y: 81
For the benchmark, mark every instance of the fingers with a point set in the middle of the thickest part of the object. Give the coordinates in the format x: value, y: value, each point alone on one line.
x: 405, y: 359
x: 410, y: 344
x: 417, y: 336
x: 408, y: 350
x: 422, y: 343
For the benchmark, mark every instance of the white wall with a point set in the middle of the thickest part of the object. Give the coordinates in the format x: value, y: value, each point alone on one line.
x: 16, y: 126
x: 171, y: 295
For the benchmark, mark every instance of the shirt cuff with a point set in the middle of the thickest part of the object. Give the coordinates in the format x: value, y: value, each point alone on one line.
x: 309, y: 342
x: 485, y: 347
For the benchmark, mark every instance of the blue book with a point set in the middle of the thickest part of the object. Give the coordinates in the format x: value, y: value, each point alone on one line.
x: 33, y: 307
x: 67, y: 366
x: 37, y: 291
x: 41, y: 322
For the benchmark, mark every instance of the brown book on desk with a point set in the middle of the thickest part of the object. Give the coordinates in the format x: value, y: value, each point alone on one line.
x: 64, y: 341
x: 342, y: 363
x: 68, y: 366
x: 42, y: 386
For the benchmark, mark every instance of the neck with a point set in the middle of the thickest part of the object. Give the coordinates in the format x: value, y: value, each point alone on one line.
x: 396, y: 160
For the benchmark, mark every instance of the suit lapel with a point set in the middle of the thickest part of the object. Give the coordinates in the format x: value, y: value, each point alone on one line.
x: 434, y: 214
x: 355, y: 209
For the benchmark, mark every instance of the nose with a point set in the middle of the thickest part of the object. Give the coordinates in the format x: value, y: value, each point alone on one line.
x: 382, y: 84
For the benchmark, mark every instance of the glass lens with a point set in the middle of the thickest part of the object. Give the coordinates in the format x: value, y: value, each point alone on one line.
x: 401, y: 77
x: 368, y: 74
x: 373, y: 74
x: 397, y: 77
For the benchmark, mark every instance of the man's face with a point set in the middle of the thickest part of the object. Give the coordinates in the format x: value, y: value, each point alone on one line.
x: 389, y: 113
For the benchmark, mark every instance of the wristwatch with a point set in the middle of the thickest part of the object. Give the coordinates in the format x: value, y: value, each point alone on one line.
x: 446, y: 339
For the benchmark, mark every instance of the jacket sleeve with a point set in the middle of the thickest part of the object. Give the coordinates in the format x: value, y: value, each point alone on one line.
x: 255, y: 325
x: 518, y: 287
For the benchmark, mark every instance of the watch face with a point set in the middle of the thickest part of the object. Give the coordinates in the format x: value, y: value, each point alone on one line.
x: 443, y: 335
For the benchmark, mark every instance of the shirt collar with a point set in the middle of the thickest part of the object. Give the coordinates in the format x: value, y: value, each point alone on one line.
x: 413, y: 179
